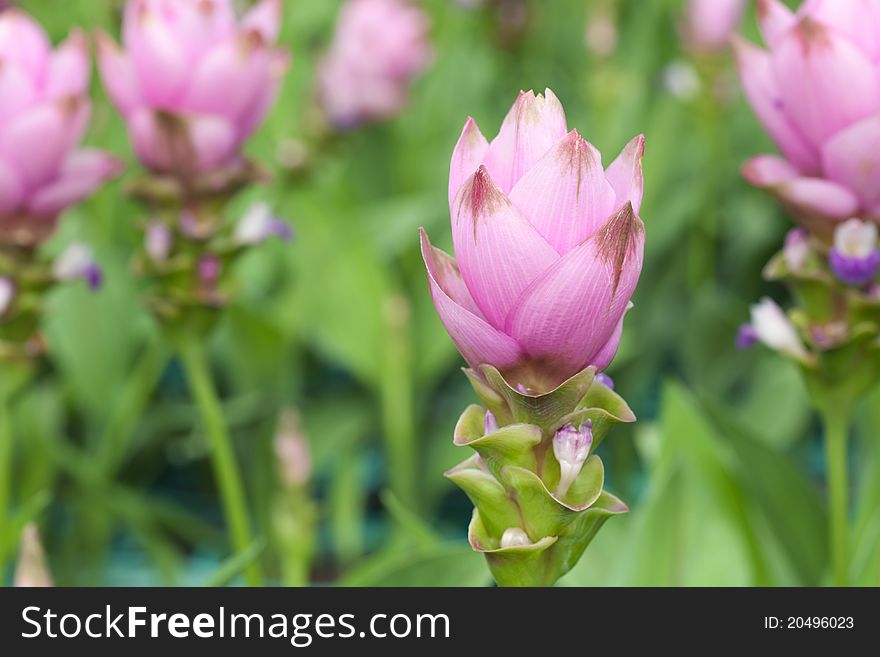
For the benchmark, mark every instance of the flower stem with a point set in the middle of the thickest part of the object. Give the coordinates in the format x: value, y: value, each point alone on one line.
x: 222, y: 456
x: 6, y: 438
x: 836, y: 429
x: 130, y: 406
x: 397, y: 402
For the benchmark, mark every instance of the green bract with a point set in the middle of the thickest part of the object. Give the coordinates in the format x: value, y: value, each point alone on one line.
x: 513, y: 475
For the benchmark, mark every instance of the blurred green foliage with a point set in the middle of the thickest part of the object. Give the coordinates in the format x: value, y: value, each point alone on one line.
x: 723, y: 471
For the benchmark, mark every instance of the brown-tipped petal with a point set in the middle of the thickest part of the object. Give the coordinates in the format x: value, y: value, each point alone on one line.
x: 625, y: 174
x: 469, y: 152
x: 530, y: 129
x: 567, y: 316
x: 498, y: 251
x: 565, y: 195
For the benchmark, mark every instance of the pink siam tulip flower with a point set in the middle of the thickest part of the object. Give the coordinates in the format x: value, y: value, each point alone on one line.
x: 378, y: 48
x: 709, y: 24
x: 816, y: 90
x: 192, y: 82
x: 44, y: 111
x: 548, y: 244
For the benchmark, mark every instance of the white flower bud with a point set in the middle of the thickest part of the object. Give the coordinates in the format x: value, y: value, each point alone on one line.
x: 571, y: 447
x: 514, y: 537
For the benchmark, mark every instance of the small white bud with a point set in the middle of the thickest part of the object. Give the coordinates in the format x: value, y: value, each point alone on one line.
x: 514, y: 537
x: 773, y: 328
x: 571, y: 447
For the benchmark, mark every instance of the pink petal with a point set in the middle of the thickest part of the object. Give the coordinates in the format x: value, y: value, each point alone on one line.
x: 118, y: 75
x: 498, y: 251
x: 826, y: 82
x: 69, y: 68
x: 38, y: 141
x: 608, y: 351
x: 214, y: 141
x: 82, y: 173
x: 478, y: 342
x: 625, y: 174
x: 762, y: 90
x: 24, y: 43
x: 565, y: 195
x: 233, y: 64
x: 183, y: 145
x: 852, y: 158
x: 254, y: 114
x: 160, y: 63
x: 466, y: 158
x: 17, y: 91
x: 775, y: 19
x: 816, y: 197
x: 265, y: 18
x: 858, y: 20
x: 767, y: 170
x: 201, y: 25
x: 566, y: 317
x: 10, y: 189
x: 530, y: 129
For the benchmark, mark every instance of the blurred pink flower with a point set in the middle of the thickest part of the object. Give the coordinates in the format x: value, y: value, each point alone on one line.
x: 378, y: 48
x: 709, y: 24
x: 548, y: 244
x: 817, y: 93
x: 44, y: 111
x: 193, y: 83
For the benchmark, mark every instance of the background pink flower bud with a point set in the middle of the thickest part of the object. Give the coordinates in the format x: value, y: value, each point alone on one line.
x: 709, y: 24
x: 44, y: 111
x: 548, y: 246
x: 378, y: 48
x: 193, y: 82
x: 816, y: 90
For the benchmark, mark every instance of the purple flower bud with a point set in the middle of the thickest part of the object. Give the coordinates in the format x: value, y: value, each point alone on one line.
x: 797, y: 249
x: 158, y: 241
x: 77, y: 262
x: 855, y: 258
x: 209, y: 270
x: 605, y: 380
x: 490, y: 423
x: 514, y: 537
x: 259, y: 224
x: 746, y: 337
x: 7, y: 294
x: 571, y: 447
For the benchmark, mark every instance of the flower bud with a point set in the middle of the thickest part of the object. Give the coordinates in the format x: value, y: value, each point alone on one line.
x: 378, y: 48
x: 259, y: 224
x: 158, y: 241
x: 548, y: 247
x: 514, y: 537
x: 571, y: 447
x: 209, y: 269
x: 773, y: 328
x: 746, y: 337
x: 292, y: 451
x: 7, y: 294
x: 77, y: 262
x: 709, y: 24
x: 192, y: 81
x: 855, y: 258
x: 490, y: 423
x: 797, y: 249
x: 605, y: 380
